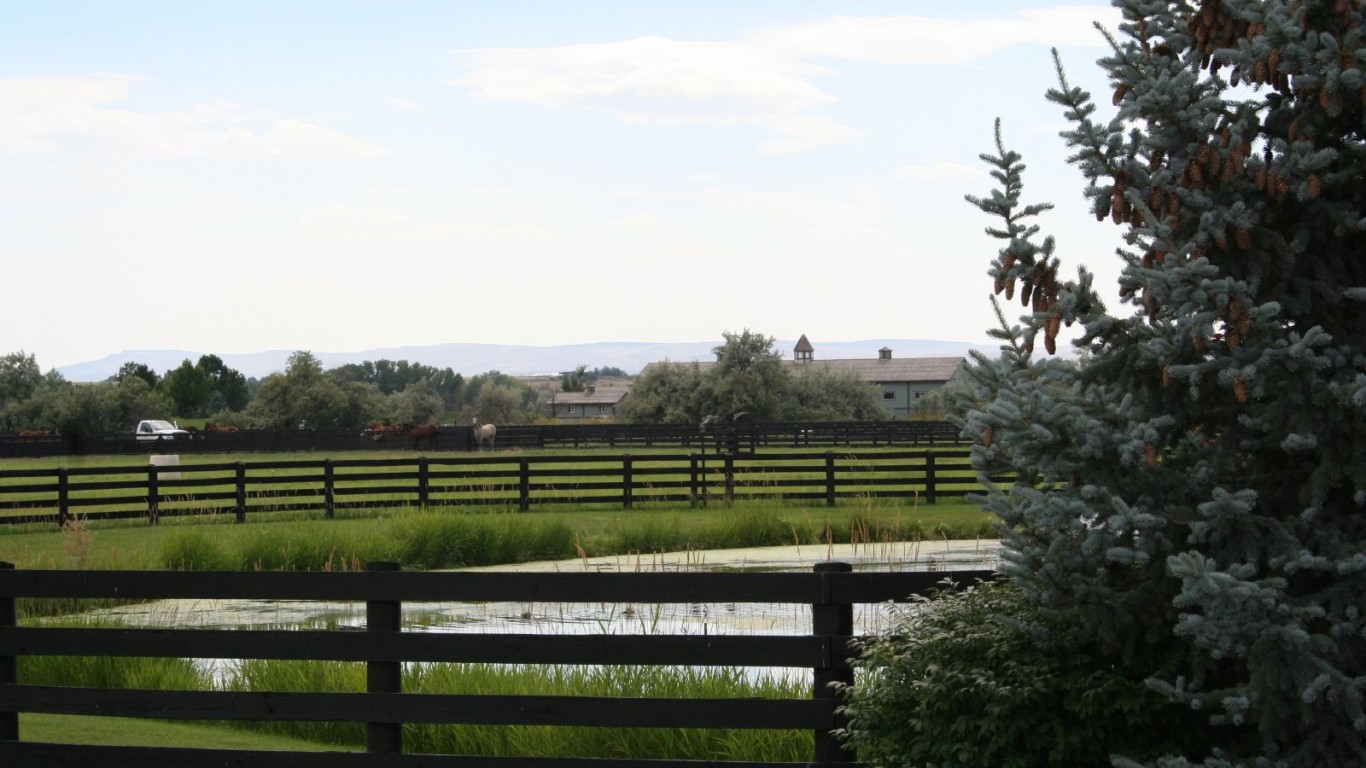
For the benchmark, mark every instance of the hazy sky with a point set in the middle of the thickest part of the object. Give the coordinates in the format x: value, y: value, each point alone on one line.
x: 232, y: 177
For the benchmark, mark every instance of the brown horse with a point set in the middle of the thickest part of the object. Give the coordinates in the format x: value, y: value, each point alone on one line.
x: 32, y: 433
x: 428, y: 432
x: 209, y: 426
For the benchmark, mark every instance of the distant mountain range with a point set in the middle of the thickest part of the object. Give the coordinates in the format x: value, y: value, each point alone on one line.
x: 513, y: 359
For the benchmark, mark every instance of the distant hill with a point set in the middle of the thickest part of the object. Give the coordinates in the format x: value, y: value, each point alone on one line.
x: 512, y: 359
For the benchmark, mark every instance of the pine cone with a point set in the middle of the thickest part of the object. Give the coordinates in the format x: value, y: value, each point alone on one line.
x: 1240, y: 390
x: 1166, y: 375
x: 1150, y: 456
x: 1314, y: 186
x: 986, y: 436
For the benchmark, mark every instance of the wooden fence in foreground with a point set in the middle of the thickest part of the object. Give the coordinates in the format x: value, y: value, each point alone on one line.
x: 504, y: 480
x: 384, y: 647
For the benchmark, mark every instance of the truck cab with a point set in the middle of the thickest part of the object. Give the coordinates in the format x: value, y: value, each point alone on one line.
x: 158, y: 429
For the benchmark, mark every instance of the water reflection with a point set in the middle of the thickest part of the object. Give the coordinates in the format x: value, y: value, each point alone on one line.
x: 593, y: 618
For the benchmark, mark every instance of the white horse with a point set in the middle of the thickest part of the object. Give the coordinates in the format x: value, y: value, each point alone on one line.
x: 483, y: 433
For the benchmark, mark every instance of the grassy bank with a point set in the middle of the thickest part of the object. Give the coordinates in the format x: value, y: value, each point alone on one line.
x: 456, y: 537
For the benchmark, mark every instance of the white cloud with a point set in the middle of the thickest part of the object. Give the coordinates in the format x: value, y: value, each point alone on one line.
x: 386, y: 226
x: 649, y: 78
x: 939, y: 172
x: 763, y: 79
x: 19, y: 95
x: 799, y: 133
x: 48, y: 115
x: 640, y: 221
x: 404, y: 104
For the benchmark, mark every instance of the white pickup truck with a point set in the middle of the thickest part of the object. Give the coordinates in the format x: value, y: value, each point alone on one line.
x: 156, y: 429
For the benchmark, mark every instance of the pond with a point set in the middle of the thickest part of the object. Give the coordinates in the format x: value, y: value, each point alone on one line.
x: 598, y: 618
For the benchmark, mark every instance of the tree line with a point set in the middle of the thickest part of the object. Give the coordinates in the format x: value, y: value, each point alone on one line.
x: 750, y: 381
x: 303, y: 394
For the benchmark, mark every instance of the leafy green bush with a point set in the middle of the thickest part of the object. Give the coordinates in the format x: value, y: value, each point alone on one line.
x: 980, y: 677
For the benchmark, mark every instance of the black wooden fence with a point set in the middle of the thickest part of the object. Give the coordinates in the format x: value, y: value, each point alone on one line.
x: 505, y: 480
x: 384, y: 646
x: 732, y: 437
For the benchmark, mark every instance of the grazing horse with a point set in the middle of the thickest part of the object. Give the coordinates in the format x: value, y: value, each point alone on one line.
x: 209, y: 426
x: 483, y: 433
x: 32, y: 433
x: 428, y: 432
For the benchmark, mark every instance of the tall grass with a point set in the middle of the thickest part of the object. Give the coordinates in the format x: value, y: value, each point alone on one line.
x: 448, y: 538
x: 111, y: 671
x: 436, y: 540
x: 476, y: 680
x: 548, y: 680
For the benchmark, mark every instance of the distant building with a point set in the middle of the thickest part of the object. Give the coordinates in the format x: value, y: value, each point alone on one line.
x: 601, y: 400
x: 902, y: 381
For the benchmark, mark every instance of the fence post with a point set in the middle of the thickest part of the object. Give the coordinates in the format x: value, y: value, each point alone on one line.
x: 153, y: 494
x: 929, y: 476
x: 383, y: 676
x: 329, y: 489
x: 241, y: 492
x: 627, y: 481
x: 422, y: 482
x: 692, y: 480
x: 829, y: 478
x: 63, y: 498
x: 9, y: 665
x: 523, y: 485
x: 834, y: 622
x: 730, y: 479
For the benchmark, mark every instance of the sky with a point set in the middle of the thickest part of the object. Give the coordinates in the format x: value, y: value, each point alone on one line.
x: 234, y: 177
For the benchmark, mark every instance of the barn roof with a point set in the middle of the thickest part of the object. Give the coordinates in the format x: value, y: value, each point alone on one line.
x: 599, y: 395
x: 879, y: 371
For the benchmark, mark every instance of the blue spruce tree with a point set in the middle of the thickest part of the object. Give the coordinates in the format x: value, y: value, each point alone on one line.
x: 1191, y: 493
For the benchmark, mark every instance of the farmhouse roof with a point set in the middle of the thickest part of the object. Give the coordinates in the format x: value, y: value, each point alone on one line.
x: 875, y: 370
x: 887, y: 369
x: 594, y: 395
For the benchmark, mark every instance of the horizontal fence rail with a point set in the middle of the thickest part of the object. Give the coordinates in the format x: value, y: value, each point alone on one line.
x: 830, y: 590
x: 731, y: 437
x: 503, y: 480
